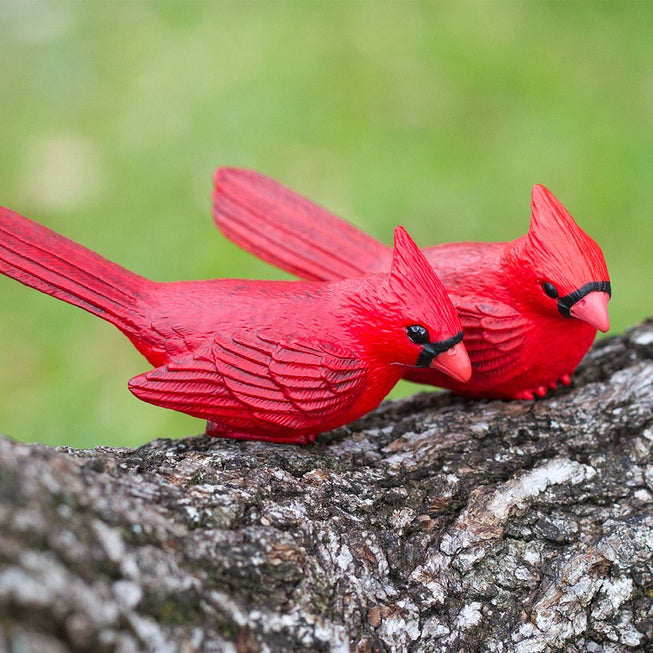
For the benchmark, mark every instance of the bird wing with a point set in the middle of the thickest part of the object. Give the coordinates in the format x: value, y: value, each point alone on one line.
x: 495, y: 334
x: 254, y: 380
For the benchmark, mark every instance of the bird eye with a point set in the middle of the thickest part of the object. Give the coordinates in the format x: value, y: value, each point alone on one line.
x: 418, y: 334
x: 550, y: 290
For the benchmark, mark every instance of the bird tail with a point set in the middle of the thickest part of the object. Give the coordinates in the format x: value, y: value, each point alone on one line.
x: 57, y: 266
x: 287, y: 230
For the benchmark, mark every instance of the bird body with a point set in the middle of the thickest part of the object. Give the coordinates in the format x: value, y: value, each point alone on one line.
x: 530, y: 308
x: 268, y: 360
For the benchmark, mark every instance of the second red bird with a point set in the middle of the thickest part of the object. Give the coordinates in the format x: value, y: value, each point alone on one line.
x: 530, y: 308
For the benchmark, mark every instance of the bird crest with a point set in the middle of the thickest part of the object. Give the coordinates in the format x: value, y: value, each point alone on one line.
x: 556, y: 246
x: 413, y: 281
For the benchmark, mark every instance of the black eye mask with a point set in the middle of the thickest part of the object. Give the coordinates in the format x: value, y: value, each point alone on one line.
x: 566, y: 303
x: 433, y: 349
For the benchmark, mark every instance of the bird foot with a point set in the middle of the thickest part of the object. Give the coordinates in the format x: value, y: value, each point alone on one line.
x: 541, y: 390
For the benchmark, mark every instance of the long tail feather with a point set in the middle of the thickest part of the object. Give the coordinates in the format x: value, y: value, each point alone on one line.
x: 287, y: 230
x: 57, y: 266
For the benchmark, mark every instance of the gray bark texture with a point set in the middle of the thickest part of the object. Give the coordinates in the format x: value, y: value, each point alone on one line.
x: 433, y: 524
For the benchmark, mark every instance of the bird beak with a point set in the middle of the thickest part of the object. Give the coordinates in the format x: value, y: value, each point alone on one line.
x: 454, y: 362
x: 593, y: 309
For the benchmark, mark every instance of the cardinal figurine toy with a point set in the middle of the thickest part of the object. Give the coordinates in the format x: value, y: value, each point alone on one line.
x: 264, y: 360
x: 530, y: 308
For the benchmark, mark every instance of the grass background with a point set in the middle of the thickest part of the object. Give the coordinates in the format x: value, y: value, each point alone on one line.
x: 439, y: 116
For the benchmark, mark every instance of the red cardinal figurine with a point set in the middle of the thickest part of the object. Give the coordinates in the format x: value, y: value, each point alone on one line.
x: 261, y: 360
x: 530, y: 308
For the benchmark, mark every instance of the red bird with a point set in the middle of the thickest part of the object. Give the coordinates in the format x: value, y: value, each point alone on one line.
x: 261, y: 360
x: 530, y: 308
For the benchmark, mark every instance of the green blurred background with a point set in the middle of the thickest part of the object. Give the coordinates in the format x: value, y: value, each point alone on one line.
x: 439, y: 116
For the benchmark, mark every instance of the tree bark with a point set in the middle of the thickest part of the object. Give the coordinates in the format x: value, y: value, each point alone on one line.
x: 433, y: 524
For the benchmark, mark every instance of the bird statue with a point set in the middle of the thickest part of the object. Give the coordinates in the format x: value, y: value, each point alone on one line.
x: 280, y: 361
x: 530, y: 308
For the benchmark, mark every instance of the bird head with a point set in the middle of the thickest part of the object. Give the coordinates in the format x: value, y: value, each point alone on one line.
x: 557, y: 267
x: 415, y: 322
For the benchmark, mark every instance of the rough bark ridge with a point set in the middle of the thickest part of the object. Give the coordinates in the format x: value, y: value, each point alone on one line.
x: 434, y: 524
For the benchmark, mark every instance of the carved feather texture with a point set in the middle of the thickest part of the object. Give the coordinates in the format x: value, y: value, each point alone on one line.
x: 282, y: 382
x: 291, y: 224
x: 42, y: 259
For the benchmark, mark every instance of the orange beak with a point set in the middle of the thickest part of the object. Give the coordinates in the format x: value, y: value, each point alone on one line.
x: 454, y: 363
x: 593, y: 309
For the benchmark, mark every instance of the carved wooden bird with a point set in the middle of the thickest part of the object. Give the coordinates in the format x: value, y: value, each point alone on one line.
x: 530, y: 308
x: 263, y: 360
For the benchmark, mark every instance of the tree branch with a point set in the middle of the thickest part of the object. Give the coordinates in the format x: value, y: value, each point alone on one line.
x: 433, y: 524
